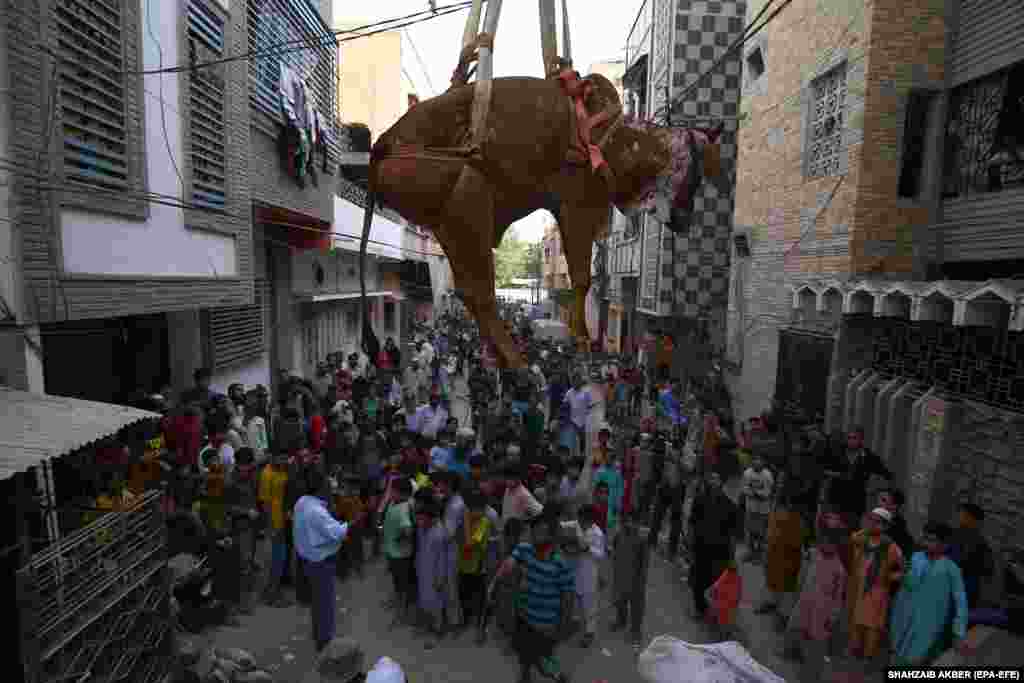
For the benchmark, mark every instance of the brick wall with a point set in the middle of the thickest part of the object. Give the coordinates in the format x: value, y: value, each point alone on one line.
x: 906, y: 51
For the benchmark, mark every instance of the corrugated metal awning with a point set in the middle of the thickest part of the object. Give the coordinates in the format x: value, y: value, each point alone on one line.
x: 35, y: 427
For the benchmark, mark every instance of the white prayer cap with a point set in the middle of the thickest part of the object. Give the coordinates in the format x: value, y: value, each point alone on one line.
x: 882, y: 514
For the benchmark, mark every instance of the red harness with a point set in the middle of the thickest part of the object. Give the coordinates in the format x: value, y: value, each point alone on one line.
x: 578, y: 90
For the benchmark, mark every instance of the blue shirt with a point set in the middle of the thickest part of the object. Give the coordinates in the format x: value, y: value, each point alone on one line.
x: 440, y: 458
x: 546, y: 582
x: 317, y: 534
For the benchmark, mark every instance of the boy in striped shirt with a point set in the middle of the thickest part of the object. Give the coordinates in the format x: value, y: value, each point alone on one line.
x: 550, y: 593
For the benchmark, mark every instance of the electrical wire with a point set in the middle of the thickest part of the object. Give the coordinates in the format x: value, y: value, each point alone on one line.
x: 163, y: 105
x: 331, y: 38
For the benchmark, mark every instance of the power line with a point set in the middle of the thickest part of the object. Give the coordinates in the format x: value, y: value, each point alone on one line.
x: 278, y: 49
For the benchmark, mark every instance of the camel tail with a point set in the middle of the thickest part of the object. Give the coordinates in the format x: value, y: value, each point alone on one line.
x: 370, y: 343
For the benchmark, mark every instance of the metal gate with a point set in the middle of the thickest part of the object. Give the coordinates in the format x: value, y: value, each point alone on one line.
x: 95, y: 607
x: 801, y: 380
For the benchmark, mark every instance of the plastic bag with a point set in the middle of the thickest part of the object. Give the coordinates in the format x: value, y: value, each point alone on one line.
x: 670, y: 660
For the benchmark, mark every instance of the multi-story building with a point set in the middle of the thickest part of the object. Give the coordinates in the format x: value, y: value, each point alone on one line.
x: 375, y: 77
x: 879, y: 235
x: 683, y: 271
x: 555, y: 271
x: 150, y: 216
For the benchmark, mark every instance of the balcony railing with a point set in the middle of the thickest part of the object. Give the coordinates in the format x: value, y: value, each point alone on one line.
x: 984, y: 137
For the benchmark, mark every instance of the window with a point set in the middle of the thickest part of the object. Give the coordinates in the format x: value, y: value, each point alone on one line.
x: 94, y: 93
x: 237, y: 333
x: 276, y: 27
x: 351, y: 321
x: 206, y: 108
x: 984, y: 142
x: 825, y: 136
x: 914, y: 132
x: 389, y: 315
x: 755, y: 63
x: 634, y: 224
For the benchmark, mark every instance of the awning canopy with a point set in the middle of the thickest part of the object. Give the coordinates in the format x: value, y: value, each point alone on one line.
x: 304, y: 232
x: 37, y: 427
x: 342, y: 296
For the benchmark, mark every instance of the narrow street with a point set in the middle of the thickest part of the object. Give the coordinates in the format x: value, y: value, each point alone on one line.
x: 280, y: 639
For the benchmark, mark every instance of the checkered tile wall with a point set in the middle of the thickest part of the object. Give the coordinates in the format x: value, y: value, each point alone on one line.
x: 695, y: 266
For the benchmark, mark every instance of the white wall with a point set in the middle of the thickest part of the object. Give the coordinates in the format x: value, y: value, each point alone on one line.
x: 160, y: 245
x: 385, y: 234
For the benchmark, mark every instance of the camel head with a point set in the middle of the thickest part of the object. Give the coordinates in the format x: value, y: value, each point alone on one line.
x: 637, y: 156
x: 680, y: 160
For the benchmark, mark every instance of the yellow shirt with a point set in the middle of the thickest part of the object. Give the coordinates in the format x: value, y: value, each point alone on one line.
x: 272, y: 486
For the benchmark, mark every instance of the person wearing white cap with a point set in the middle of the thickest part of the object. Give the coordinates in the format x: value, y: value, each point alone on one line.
x: 876, y: 567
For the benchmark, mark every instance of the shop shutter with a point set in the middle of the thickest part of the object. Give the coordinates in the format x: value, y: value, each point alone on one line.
x: 989, y: 36
x: 92, y: 92
x: 238, y: 333
x: 206, y: 108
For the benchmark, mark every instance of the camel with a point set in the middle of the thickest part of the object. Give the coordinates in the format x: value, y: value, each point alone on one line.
x: 558, y: 143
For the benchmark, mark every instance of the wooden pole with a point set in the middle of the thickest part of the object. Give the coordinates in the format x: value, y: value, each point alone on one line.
x: 548, y: 37
x: 472, y: 23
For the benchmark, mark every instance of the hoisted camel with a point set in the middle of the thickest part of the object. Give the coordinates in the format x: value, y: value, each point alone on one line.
x: 468, y: 163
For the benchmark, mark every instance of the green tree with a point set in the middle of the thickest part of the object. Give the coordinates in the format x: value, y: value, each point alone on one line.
x: 510, y: 259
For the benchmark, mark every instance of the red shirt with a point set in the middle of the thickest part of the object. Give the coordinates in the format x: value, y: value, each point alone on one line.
x: 416, y: 457
x: 343, y: 384
x: 384, y: 361
x: 317, y: 427
x: 188, y: 434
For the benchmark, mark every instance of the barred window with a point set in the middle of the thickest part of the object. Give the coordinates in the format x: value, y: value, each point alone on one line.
x: 828, y: 103
x: 389, y: 315
x: 238, y: 333
x: 206, y: 107
x: 93, y: 92
x: 291, y: 34
x: 351, y: 321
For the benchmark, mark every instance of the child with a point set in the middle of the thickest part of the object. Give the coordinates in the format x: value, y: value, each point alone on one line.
x: 725, y: 596
x: 441, y: 454
x: 932, y: 604
x: 876, y: 568
x: 398, y: 540
x: 273, y: 482
x: 431, y: 567
x: 821, y: 605
x: 588, y: 569
x: 601, y: 505
x: 472, y: 560
x: 352, y: 510
x: 631, y: 559
x: 549, y: 597
x: 757, y: 489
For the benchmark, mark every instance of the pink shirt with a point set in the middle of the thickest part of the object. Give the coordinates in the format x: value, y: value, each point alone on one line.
x: 823, y: 597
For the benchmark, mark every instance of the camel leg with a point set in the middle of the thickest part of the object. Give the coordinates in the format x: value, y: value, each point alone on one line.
x: 579, y: 226
x: 466, y: 234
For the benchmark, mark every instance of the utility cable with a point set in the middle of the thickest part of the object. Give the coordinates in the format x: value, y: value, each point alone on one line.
x: 419, y: 59
x: 330, y: 38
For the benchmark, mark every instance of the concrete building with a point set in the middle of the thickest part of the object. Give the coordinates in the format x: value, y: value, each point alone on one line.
x: 683, y: 269
x: 879, y: 232
x: 150, y: 230
x: 555, y: 271
x: 375, y: 77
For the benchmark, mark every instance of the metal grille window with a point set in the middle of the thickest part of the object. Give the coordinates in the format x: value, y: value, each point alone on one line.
x: 238, y: 333
x: 351, y: 321
x: 984, y: 145
x: 92, y: 92
x: 828, y: 103
x: 290, y: 34
x: 206, y: 107
x: 389, y: 315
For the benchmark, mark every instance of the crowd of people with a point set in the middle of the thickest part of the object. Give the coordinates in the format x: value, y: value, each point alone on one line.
x: 510, y: 519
